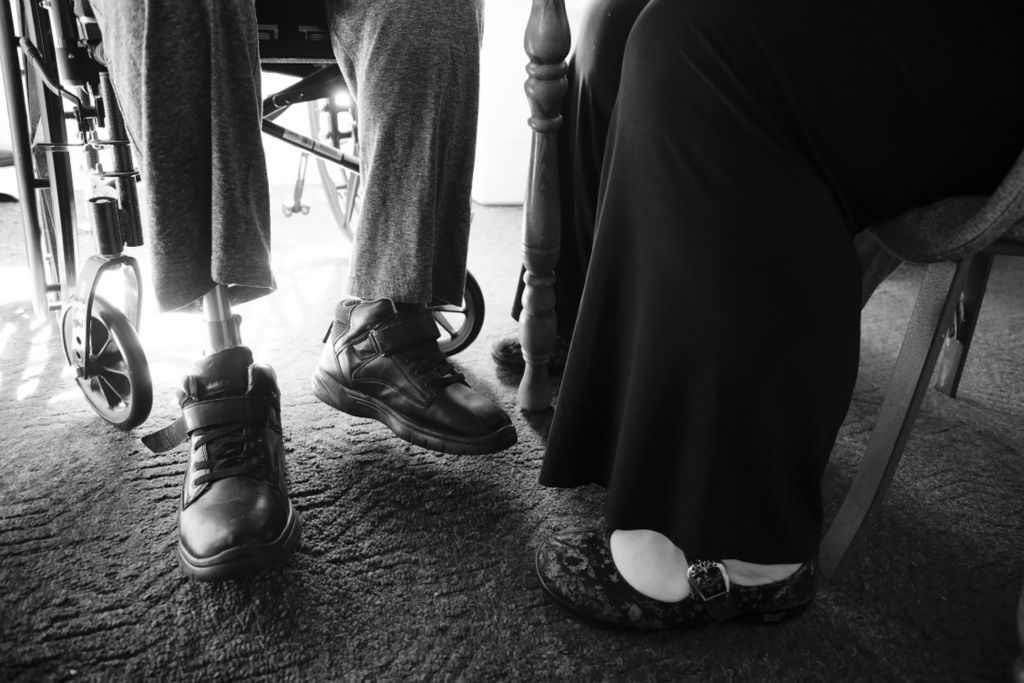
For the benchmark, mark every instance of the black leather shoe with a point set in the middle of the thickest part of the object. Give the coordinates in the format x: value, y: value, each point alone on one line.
x: 235, y: 516
x: 507, y: 353
x: 386, y: 365
x: 577, y: 573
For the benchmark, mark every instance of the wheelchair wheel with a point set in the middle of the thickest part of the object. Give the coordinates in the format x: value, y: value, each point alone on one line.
x: 460, y: 325
x: 340, y: 185
x: 119, y: 389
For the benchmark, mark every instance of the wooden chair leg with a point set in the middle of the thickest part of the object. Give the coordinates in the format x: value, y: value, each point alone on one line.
x: 547, y: 45
x: 936, y: 302
x: 954, y: 352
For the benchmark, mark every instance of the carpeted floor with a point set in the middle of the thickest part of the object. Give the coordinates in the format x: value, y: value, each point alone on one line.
x: 419, y: 566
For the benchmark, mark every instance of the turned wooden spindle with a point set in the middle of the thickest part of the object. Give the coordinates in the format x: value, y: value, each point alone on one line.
x: 547, y: 45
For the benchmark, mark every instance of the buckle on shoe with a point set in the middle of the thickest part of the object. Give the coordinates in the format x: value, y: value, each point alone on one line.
x: 711, y: 584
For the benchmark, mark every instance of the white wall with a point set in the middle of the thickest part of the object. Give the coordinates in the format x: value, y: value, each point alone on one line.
x: 503, y: 138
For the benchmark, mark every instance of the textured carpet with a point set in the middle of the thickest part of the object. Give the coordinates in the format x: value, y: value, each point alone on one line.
x: 415, y: 565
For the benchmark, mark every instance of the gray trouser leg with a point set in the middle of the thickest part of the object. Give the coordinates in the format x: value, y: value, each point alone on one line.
x: 188, y: 78
x: 413, y: 66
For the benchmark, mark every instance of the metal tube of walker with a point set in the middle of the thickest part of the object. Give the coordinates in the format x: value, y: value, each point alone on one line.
x: 106, y: 226
x: 131, y: 224
x: 222, y: 324
x: 20, y: 142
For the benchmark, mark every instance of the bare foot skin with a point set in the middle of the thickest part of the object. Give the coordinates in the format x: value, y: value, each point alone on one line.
x: 749, y: 574
x: 650, y: 563
x: 655, y: 567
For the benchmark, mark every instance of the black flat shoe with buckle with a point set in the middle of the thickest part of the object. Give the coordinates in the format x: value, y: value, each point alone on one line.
x: 577, y: 573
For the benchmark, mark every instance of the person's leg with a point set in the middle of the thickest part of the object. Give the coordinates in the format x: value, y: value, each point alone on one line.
x: 196, y: 127
x: 748, y: 143
x: 187, y: 77
x: 413, y: 67
x: 677, y: 297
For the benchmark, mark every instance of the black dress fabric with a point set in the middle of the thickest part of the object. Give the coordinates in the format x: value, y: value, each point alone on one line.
x: 716, y: 347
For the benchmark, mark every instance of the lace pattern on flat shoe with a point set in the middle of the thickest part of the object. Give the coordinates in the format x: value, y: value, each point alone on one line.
x: 577, y: 572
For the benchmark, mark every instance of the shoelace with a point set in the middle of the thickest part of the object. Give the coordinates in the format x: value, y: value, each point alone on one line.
x: 231, y: 449
x: 429, y: 362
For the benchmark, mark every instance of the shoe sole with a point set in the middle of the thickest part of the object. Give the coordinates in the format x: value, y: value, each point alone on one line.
x: 772, y: 616
x: 235, y: 563
x: 333, y: 393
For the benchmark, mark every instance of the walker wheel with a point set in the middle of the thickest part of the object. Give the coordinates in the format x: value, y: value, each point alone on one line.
x: 118, y: 387
x: 460, y: 325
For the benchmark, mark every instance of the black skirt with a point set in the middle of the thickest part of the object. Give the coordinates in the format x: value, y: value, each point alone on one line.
x: 716, y: 347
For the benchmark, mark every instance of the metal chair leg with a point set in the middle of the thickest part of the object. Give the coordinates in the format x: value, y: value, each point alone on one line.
x: 222, y: 324
x: 20, y: 142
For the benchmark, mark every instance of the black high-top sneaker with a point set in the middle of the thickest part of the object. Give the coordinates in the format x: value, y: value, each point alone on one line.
x: 382, y: 361
x: 235, y: 515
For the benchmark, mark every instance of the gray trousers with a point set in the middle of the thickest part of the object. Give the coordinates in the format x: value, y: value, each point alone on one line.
x: 187, y: 75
